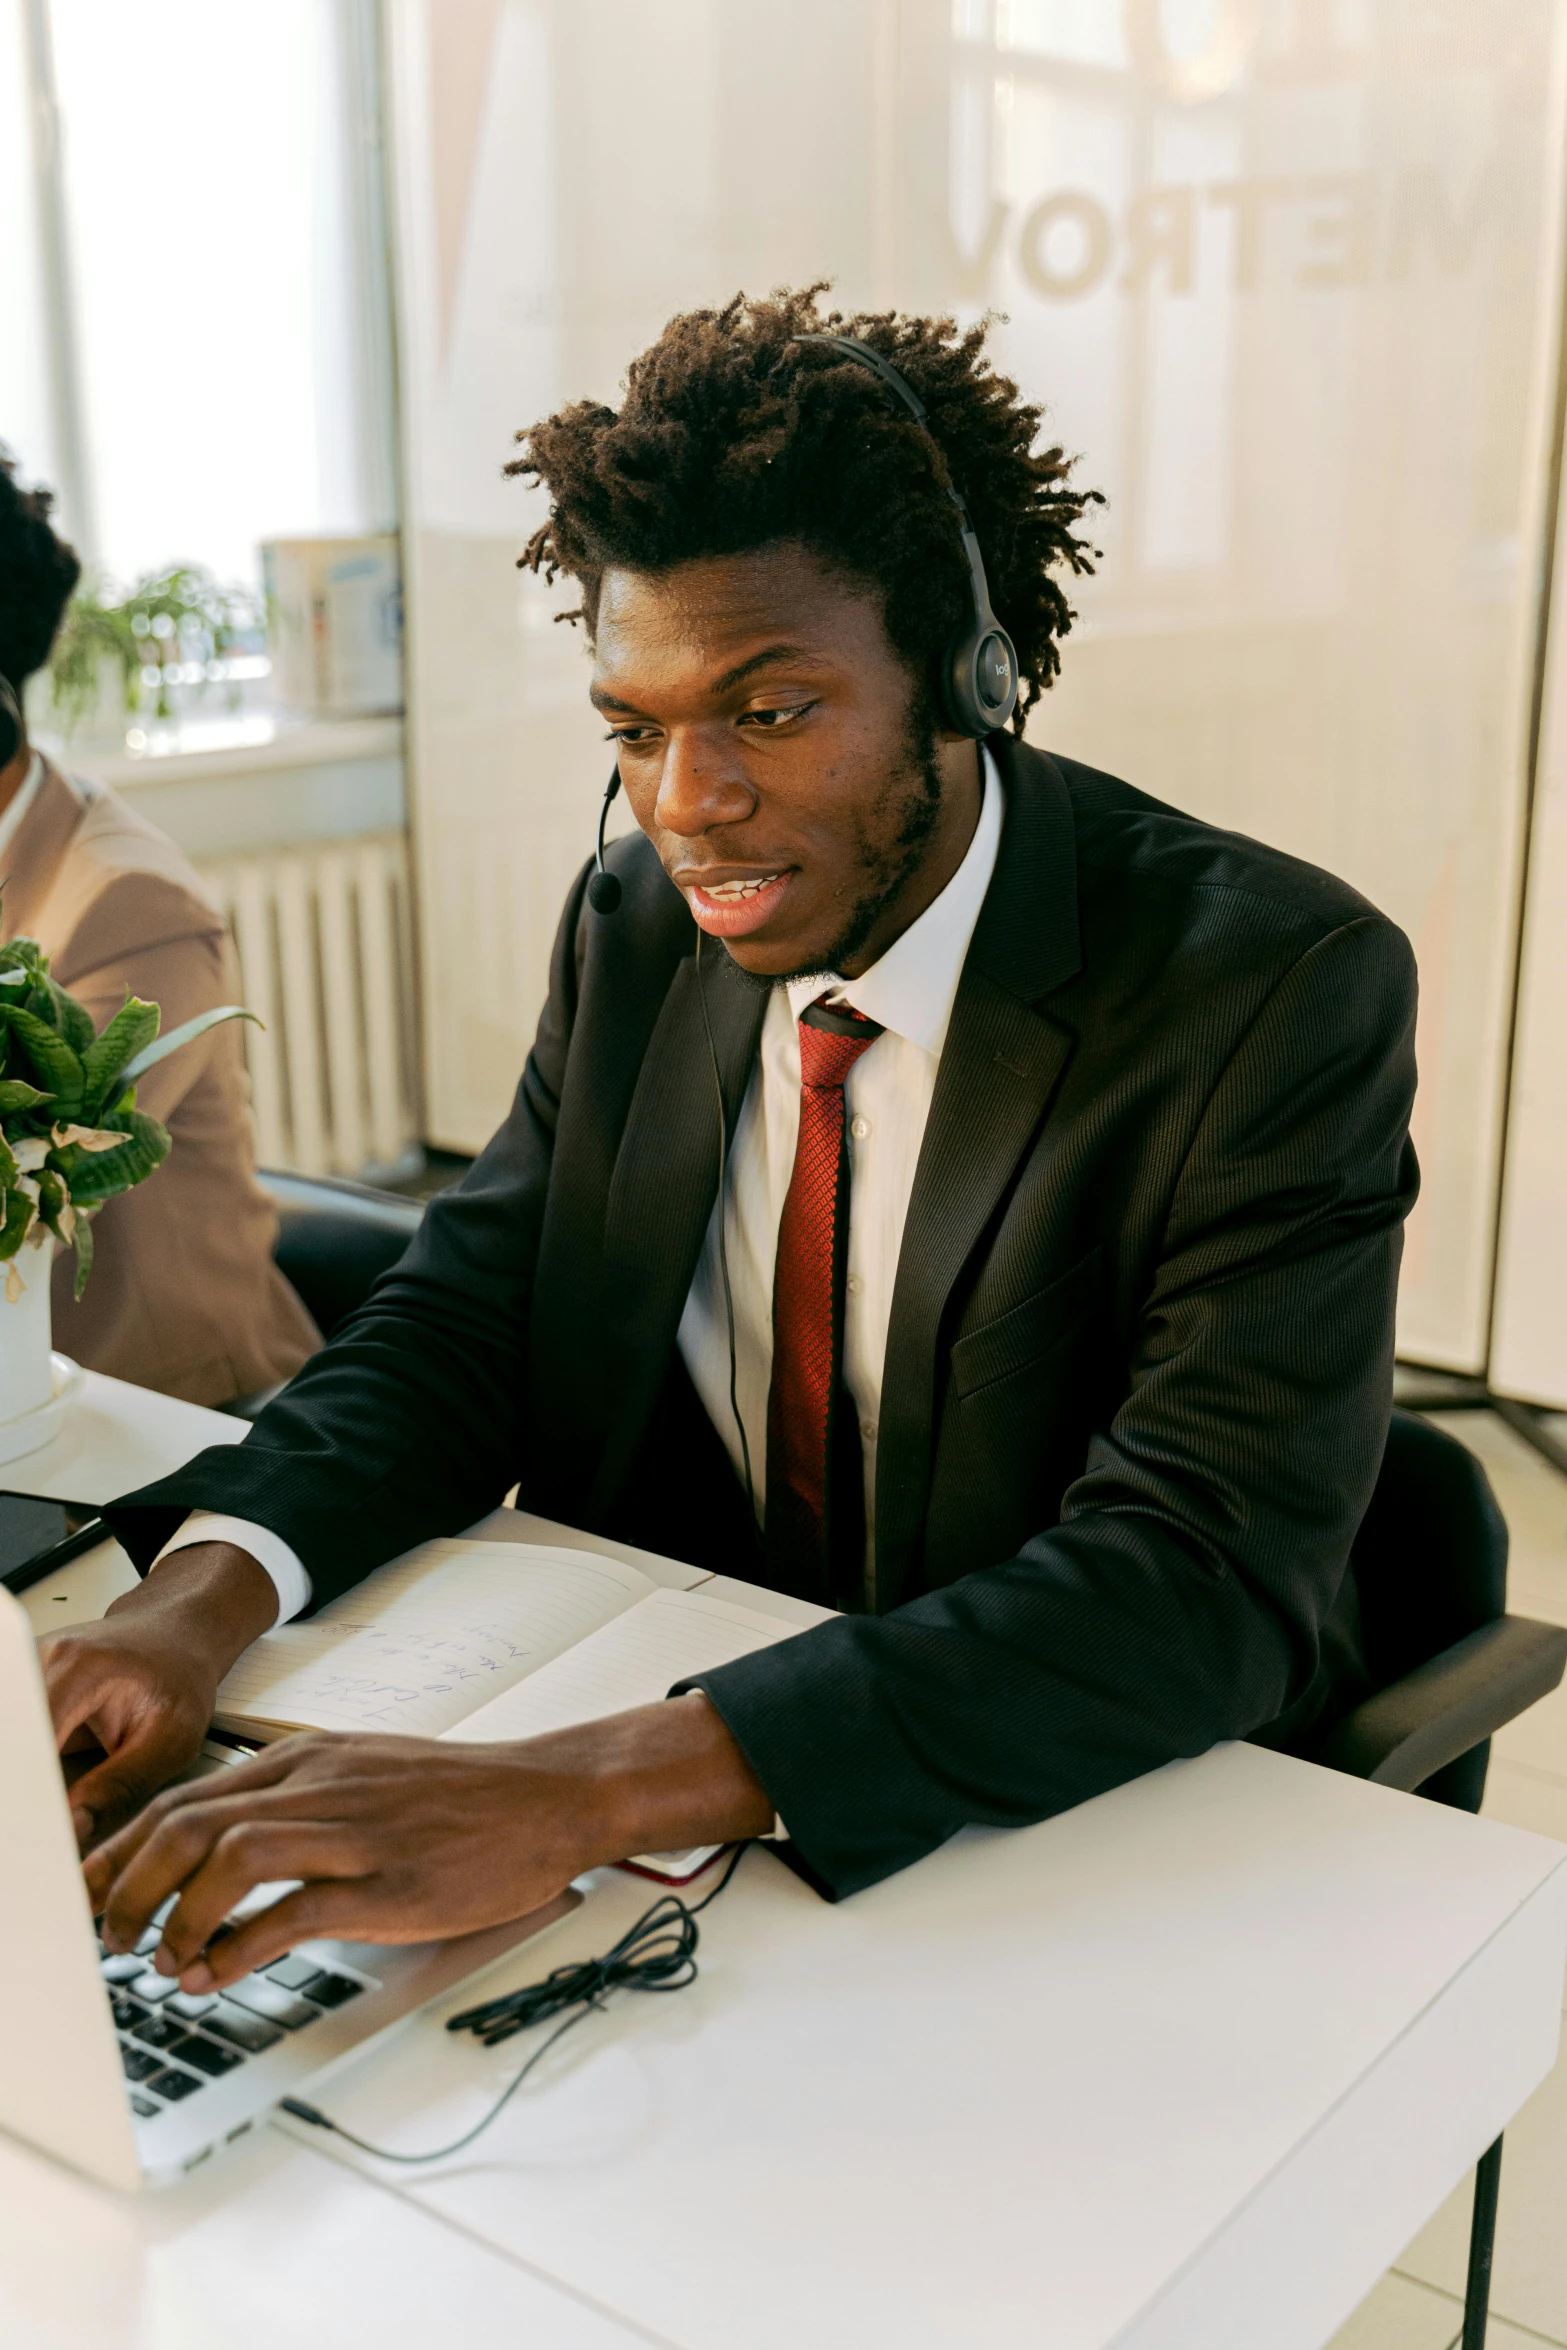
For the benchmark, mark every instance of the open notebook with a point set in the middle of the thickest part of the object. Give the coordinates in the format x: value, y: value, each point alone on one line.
x: 480, y: 1640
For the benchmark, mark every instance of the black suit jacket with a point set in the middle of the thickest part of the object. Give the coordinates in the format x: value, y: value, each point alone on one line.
x: 1139, y: 1364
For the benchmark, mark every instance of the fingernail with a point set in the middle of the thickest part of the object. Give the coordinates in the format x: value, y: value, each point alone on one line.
x: 197, y: 1977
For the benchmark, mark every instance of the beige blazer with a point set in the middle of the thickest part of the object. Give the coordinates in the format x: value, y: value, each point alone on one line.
x: 184, y: 1295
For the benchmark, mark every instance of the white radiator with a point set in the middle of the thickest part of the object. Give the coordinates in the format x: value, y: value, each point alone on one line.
x: 325, y: 945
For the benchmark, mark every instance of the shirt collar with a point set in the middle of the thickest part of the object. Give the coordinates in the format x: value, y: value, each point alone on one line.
x: 11, y: 821
x: 912, y: 987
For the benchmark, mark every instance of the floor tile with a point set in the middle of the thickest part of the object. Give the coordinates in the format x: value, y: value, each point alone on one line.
x: 1529, y: 2280
x: 1399, y: 2314
x: 1538, y: 1738
x: 1526, y: 1798
x: 1533, y: 1498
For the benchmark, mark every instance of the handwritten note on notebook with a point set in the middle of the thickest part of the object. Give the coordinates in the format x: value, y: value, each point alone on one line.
x: 427, y: 1639
x: 630, y: 1661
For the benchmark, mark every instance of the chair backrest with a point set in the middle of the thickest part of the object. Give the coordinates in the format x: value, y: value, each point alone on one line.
x: 335, y: 1239
x: 1431, y: 1555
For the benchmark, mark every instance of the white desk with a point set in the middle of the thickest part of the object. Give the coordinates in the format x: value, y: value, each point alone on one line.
x: 1181, y: 2070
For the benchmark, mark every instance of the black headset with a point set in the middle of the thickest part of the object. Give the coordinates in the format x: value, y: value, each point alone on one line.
x: 978, y: 674
x: 12, y: 732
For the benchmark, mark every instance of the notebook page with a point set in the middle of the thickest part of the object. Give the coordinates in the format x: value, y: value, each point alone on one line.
x: 427, y: 1638
x: 632, y: 1661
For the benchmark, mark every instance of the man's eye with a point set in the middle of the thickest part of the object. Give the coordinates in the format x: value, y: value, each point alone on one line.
x: 772, y: 720
x: 635, y: 736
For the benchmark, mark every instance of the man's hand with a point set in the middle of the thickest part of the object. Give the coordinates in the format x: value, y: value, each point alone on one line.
x: 412, y: 1839
x: 139, y: 1686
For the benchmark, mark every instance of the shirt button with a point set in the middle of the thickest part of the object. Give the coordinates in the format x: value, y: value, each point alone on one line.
x: 868, y: 1431
x: 860, y: 1128
x: 856, y: 1285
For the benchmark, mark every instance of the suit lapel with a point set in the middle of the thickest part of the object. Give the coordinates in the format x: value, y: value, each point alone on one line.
x: 1000, y: 1066
x: 664, y: 1184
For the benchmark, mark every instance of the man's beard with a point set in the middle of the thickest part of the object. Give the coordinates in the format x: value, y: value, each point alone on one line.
x: 888, y: 870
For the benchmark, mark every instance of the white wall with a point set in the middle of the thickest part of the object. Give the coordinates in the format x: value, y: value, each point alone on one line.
x: 1529, y: 1336
x: 1284, y: 274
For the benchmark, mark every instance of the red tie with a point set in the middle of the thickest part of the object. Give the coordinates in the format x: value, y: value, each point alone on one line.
x: 808, y: 1310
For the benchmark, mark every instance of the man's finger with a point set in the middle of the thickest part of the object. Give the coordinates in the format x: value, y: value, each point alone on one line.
x: 262, y: 1776
x: 247, y: 1854
x: 161, y: 1852
x: 358, y: 1909
x: 353, y: 1909
x: 103, y: 1798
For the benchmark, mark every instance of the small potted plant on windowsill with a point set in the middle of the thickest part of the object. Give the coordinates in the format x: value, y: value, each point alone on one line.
x: 71, y: 1137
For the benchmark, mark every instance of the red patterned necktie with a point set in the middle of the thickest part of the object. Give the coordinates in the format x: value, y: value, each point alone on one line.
x: 808, y: 1323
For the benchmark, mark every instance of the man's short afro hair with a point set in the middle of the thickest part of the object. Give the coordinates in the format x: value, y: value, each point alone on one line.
x: 733, y: 435
x: 37, y: 574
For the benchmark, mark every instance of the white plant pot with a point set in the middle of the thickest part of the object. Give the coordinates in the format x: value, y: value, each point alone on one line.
x: 26, y: 1367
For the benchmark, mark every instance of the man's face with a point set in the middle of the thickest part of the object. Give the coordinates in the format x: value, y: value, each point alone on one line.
x: 767, y: 743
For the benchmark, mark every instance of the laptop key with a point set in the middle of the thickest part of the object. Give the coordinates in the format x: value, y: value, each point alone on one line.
x: 271, y: 2001
x: 138, y: 2062
x: 159, y: 2031
x: 123, y: 1969
x: 247, y: 2031
x: 329, y: 1990
x: 192, y: 2005
x: 126, y: 2012
x: 143, y: 2107
x: 172, y: 2084
x: 153, y: 1987
x: 293, y: 1972
x: 207, y: 2055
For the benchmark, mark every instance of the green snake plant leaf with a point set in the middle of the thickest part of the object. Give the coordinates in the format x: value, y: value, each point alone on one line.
x: 186, y: 1033
x: 134, y: 1025
x: 16, y: 1094
x: 82, y: 1241
x: 53, y: 1059
x: 8, y: 1166
x: 98, y: 1175
x: 18, y: 1207
x: 71, y: 1019
x: 54, y: 1204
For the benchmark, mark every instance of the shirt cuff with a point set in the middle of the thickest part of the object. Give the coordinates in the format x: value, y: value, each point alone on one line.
x: 270, y: 1552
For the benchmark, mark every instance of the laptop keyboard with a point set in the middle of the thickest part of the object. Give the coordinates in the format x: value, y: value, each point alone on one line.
x: 173, y: 2042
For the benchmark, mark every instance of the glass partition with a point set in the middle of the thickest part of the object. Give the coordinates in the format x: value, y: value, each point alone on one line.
x: 1284, y: 272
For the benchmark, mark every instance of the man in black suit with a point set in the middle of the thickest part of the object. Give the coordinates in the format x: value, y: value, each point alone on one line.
x: 1065, y: 1162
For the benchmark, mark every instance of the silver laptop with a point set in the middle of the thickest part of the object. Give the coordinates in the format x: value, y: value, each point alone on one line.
x: 117, y: 2071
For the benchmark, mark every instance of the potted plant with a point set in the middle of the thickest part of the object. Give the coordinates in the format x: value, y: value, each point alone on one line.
x: 71, y: 1137
x: 173, y: 627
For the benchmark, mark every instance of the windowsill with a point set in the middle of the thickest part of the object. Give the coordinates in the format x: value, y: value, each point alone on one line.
x: 195, y: 751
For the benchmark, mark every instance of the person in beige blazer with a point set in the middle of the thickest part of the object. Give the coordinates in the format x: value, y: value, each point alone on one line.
x: 184, y: 1296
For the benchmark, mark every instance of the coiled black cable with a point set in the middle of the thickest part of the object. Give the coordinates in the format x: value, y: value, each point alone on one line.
x: 657, y: 1953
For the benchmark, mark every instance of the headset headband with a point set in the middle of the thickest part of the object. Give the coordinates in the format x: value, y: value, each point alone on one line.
x: 980, y: 670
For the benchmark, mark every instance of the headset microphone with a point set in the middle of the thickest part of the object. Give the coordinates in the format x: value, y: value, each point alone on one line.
x: 12, y: 731
x: 604, y: 889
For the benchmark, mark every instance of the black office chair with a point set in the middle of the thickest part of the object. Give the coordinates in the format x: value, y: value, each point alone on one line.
x: 335, y: 1239
x: 1450, y: 1666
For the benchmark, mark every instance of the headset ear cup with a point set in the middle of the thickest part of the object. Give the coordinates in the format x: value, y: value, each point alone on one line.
x: 981, y: 679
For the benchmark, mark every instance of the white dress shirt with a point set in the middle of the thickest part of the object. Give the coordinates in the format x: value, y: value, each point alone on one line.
x: 887, y: 1097
x: 910, y: 991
